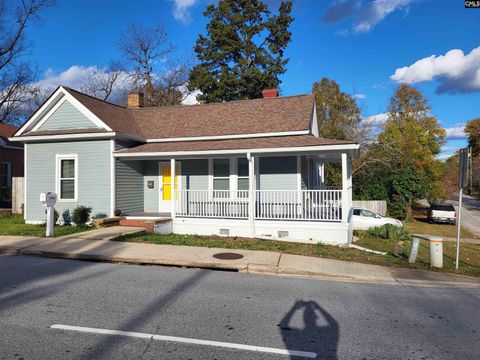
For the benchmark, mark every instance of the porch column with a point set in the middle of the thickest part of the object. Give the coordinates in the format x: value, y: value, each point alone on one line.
x: 172, y: 187
x: 321, y: 174
x: 251, y: 193
x: 345, y: 206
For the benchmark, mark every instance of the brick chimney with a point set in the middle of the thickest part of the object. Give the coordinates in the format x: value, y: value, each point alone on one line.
x: 135, y: 100
x: 270, y: 93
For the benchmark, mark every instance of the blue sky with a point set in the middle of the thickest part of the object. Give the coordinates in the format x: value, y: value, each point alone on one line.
x: 361, y: 44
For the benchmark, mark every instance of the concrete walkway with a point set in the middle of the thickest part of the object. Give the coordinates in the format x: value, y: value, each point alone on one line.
x: 81, y: 246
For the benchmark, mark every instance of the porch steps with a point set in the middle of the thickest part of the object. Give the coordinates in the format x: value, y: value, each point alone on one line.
x: 159, y: 225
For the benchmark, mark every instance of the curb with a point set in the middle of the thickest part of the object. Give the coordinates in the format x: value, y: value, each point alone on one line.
x: 250, y: 268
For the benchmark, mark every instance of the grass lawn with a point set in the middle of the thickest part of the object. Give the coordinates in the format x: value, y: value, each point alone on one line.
x: 420, y: 226
x: 15, y: 225
x: 469, y: 254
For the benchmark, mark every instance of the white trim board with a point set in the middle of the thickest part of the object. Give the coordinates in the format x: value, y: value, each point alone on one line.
x: 226, y: 137
x: 342, y: 147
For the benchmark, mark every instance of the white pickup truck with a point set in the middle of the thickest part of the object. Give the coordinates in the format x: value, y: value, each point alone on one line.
x: 442, y: 213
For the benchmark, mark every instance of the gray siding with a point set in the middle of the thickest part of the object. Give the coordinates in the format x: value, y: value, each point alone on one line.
x: 129, y: 187
x: 93, y: 175
x: 278, y: 173
x: 66, y: 117
x: 194, y: 174
x: 151, y: 196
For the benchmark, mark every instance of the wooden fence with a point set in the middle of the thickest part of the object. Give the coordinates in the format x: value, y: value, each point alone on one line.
x: 17, y: 195
x: 377, y: 206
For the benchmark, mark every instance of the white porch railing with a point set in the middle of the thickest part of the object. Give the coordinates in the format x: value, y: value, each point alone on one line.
x: 311, y: 205
x: 320, y: 205
x: 213, y: 203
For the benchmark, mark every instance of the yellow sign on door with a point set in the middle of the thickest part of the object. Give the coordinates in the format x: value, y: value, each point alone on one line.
x: 167, y: 183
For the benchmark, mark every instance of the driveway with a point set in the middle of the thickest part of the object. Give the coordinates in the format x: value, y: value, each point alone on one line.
x: 470, y: 213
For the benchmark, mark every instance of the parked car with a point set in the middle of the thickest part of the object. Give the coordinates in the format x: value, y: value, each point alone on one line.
x: 442, y: 213
x: 364, y: 219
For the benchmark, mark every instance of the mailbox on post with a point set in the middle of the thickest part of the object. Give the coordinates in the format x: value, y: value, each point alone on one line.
x: 49, y: 200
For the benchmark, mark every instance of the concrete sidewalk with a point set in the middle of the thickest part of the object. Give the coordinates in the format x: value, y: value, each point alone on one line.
x: 257, y: 262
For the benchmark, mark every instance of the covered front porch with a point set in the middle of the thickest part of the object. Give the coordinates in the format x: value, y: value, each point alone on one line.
x: 284, y: 195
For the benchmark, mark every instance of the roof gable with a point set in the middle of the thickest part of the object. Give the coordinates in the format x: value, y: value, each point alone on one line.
x: 66, y: 116
x: 55, y: 101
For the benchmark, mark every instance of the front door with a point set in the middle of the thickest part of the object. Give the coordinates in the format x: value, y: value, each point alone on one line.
x: 166, y: 186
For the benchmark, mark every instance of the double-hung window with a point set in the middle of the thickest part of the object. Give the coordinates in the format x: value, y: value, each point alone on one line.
x: 242, y: 177
x: 67, y: 177
x: 221, y: 178
x: 6, y: 171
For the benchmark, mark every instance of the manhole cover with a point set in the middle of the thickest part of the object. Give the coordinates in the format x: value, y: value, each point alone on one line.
x: 228, y: 256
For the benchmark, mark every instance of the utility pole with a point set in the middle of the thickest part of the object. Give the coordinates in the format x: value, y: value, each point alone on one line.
x: 462, y: 182
x: 470, y: 169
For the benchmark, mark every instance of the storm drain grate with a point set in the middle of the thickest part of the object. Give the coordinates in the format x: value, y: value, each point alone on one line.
x: 228, y: 256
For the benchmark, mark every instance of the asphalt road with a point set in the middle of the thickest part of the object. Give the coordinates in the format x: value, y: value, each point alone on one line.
x: 331, y: 319
x: 470, y: 213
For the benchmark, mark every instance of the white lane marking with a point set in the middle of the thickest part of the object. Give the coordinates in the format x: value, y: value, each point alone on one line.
x: 305, y: 354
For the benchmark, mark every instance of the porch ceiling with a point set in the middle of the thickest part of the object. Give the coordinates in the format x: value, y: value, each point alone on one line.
x: 274, y: 144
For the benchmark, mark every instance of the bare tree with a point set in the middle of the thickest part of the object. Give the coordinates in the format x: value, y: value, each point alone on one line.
x: 101, y: 82
x: 162, y: 80
x: 16, y: 75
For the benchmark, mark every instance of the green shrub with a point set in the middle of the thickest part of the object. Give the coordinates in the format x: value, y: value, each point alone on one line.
x: 388, y: 232
x: 117, y: 212
x: 81, y: 215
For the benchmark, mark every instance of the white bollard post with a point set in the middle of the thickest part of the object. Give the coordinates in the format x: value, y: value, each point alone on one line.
x: 414, y: 250
x: 436, y: 251
x: 50, y: 221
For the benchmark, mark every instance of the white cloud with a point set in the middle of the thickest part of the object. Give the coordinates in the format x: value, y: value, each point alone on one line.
x: 359, y: 96
x: 376, y: 120
x: 376, y: 11
x: 75, y: 77
x: 181, y: 10
x: 454, y: 71
x: 365, y: 14
x: 457, y: 132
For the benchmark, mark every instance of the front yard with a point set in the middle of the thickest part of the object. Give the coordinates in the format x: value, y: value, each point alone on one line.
x: 15, y: 225
x: 420, y: 225
x: 470, y: 253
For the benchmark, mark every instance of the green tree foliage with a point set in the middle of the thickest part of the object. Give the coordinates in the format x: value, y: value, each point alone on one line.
x: 338, y: 118
x: 472, y: 129
x: 337, y: 112
x: 406, y: 148
x: 242, y: 52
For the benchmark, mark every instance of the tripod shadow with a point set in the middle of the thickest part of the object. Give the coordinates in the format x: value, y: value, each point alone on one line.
x: 319, y: 339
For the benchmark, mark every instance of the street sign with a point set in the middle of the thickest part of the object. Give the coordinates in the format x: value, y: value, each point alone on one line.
x: 462, y: 176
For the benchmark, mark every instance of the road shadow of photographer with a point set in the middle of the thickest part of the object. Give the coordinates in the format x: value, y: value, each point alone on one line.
x: 320, y: 339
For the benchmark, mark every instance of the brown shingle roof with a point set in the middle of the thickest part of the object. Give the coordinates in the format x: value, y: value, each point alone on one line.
x: 7, y: 131
x: 290, y: 113
x: 235, y: 144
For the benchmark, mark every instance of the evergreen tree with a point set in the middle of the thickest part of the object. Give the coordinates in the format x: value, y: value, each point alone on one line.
x: 242, y: 52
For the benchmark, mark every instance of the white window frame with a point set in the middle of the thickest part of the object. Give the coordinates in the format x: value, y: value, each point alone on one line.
x: 59, y: 158
x: 212, y: 177
x: 238, y: 177
x: 9, y: 174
